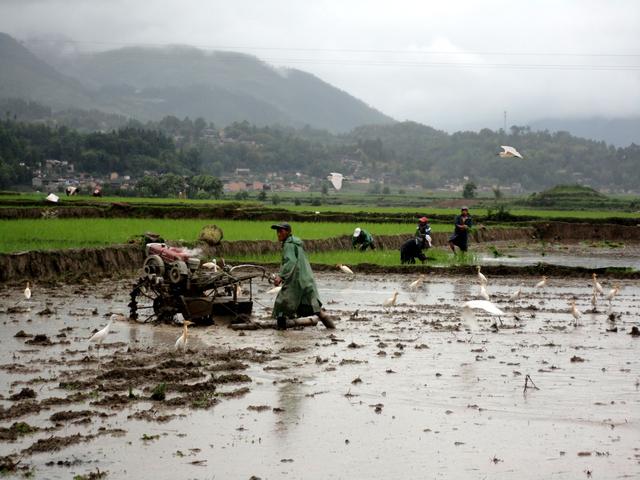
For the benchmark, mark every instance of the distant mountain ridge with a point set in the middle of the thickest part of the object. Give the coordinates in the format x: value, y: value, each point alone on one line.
x: 616, y: 131
x: 150, y: 83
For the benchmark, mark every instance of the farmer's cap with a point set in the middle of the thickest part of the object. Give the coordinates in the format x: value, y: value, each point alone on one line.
x: 424, y: 220
x: 356, y: 232
x: 464, y: 208
x: 281, y: 226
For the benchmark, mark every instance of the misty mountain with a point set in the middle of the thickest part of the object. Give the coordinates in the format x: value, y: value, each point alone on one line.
x: 151, y: 83
x: 617, y: 131
x: 23, y: 75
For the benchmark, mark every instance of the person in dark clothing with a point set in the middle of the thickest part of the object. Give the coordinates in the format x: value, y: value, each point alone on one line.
x: 460, y: 237
x: 362, y: 238
x: 413, y: 248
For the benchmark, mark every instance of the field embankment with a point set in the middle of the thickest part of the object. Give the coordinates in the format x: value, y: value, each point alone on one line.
x: 119, y: 260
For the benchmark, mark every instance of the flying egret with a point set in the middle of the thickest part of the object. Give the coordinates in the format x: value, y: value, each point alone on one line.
x: 508, y: 152
x: 489, y: 307
x: 515, y: 295
x: 336, y: 180
x: 481, y: 278
x: 575, y: 312
x: 542, y: 283
x: 596, y: 285
x: 181, y: 342
x: 612, y: 293
x: 345, y: 269
x: 275, y: 290
x: 417, y: 283
x: 483, y: 293
x: 391, y: 301
x: 27, y: 291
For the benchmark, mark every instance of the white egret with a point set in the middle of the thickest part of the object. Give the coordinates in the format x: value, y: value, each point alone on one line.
x: 481, y: 278
x: 542, y: 283
x: 596, y: 285
x: 391, y: 301
x: 100, y: 335
x: 483, y: 293
x: 345, y: 269
x: 336, y: 180
x: 509, y: 152
x: 594, y: 300
x: 612, y: 293
x: 181, y: 342
x: 489, y: 307
x: 27, y: 291
x: 417, y: 283
x: 212, y: 265
x: 515, y: 295
x: 575, y: 312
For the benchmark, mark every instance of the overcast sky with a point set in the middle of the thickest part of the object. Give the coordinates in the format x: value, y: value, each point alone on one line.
x: 449, y: 64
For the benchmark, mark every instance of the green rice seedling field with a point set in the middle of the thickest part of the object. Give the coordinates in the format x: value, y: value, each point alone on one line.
x: 53, y: 234
x: 435, y: 256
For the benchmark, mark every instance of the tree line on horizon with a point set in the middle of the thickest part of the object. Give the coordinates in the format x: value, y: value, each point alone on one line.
x: 404, y: 153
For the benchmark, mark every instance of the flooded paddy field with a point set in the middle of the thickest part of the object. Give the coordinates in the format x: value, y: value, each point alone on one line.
x: 409, y: 391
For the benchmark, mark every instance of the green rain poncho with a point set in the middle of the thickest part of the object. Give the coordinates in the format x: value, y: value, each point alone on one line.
x: 299, y: 295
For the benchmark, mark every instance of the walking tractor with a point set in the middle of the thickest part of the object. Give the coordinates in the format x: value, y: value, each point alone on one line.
x: 175, y: 282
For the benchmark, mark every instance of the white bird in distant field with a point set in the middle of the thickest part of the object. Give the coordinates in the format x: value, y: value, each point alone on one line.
x: 483, y: 293
x: 542, y: 283
x: 468, y: 307
x: 275, y: 290
x: 508, y: 152
x: 575, y: 312
x: 345, y: 269
x: 416, y: 283
x: 612, y: 293
x: 596, y: 285
x: 27, y: 291
x: 481, y: 278
x: 515, y: 295
x: 594, y: 300
x: 181, y: 342
x: 391, y: 301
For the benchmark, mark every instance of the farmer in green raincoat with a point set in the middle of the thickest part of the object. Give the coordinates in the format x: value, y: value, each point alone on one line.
x: 299, y: 295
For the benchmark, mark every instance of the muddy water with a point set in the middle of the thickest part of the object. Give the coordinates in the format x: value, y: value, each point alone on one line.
x: 405, y: 392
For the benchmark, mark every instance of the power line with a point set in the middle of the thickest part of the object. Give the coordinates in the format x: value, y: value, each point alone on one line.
x: 353, y: 50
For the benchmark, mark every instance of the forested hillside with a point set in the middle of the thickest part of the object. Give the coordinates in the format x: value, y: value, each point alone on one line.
x: 400, y: 154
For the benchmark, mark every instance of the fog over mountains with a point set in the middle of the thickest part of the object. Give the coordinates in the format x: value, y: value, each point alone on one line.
x: 148, y: 83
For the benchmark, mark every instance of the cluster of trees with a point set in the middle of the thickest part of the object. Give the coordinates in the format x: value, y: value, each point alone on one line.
x: 172, y: 185
x: 402, y: 153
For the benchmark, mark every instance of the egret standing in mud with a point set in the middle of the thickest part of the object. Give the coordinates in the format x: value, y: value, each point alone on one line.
x: 575, y: 312
x: 416, y: 283
x: 483, y: 293
x: 594, y: 300
x: 27, y: 291
x: 515, y: 295
x: 100, y: 335
x: 345, y: 269
x: 391, y: 301
x: 181, y: 342
x: 612, y: 293
x: 481, y: 278
x: 542, y: 283
x: 596, y: 285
